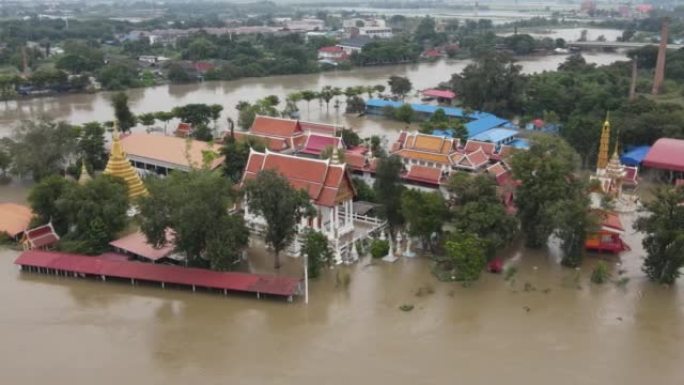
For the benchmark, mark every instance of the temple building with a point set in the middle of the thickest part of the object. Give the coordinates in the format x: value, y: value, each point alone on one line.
x: 611, y: 174
x: 607, y: 238
x: 289, y: 136
x: 162, y: 154
x: 331, y: 190
x: 119, y: 165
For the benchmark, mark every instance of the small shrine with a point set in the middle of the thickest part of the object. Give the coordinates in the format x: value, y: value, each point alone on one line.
x: 119, y: 165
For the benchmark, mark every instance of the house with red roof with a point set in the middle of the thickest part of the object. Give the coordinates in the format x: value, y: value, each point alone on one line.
x: 42, y: 238
x: 330, y: 189
x: 332, y: 53
x: 183, y: 130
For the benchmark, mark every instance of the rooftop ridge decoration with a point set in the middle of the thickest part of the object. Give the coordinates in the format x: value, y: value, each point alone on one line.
x: 118, y: 165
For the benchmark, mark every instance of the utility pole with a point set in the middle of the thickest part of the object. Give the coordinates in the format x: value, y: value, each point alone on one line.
x: 306, y: 278
x: 632, y: 84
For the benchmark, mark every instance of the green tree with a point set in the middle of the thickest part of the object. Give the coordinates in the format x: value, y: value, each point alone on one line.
x: 404, y: 113
x: 177, y: 74
x: 327, y: 94
x: 197, y: 114
x: 664, y: 240
x: 195, y: 206
x: 425, y: 32
x: 573, y: 221
x: 122, y: 113
x: 308, y: 96
x: 95, y: 212
x: 215, y: 114
x: 466, y: 257
x: 476, y: 209
x: 493, y: 83
x: 389, y: 189
x: 349, y: 137
x: 236, y: 154
x: 165, y: 117
x: 316, y: 249
x: 425, y: 213
x: 399, y: 85
x: 147, y: 119
x: 40, y: 148
x: 271, y: 196
x: 546, y: 174
x: 43, y: 201
x: 91, y: 145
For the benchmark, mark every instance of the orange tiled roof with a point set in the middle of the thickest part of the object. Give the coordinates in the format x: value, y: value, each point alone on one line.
x: 169, y: 149
x: 496, y: 169
x: 355, y: 160
x: 473, y: 160
x: 473, y: 145
x: 425, y: 156
x: 278, y: 127
x: 430, y: 143
x: 325, y: 183
x: 320, y: 128
x: 424, y: 174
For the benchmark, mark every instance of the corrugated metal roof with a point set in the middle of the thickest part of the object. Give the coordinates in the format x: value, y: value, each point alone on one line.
x: 244, y: 282
x: 635, y: 156
x: 495, y: 135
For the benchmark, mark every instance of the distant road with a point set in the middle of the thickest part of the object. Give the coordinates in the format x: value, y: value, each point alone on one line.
x: 616, y: 44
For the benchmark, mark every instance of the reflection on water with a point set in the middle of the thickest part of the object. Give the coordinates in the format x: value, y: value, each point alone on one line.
x: 84, y: 108
x: 560, y: 330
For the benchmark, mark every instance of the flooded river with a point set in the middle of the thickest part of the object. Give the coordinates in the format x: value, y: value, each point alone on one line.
x: 562, y: 330
x: 82, y: 108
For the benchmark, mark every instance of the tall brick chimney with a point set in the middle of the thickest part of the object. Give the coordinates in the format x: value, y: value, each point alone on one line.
x: 660, y: 63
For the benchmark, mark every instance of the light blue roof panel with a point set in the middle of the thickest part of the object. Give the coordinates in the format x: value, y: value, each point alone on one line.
x: 635, y: 156
x: 495, y: 135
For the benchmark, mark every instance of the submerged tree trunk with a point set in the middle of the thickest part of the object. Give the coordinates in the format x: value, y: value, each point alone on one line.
x: 276, y: 260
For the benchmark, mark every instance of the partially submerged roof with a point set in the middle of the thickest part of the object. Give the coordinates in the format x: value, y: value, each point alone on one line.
x: 170, y: 151
x: 495, y: 135
x: 40, y: 237
x: 446, y: 94
x: 666, y: 154
x: 609, y: 221
x: 14, y: 218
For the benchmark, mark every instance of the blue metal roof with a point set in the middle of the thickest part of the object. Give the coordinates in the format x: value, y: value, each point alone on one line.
x: 635, y: 156
x: 482, y: 121
x: 523, y: 144
x: 495, y: 135
x: 477, y: 127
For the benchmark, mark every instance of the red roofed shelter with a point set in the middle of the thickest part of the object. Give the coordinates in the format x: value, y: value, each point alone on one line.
x: 667, y: 154
x: 42, y: 237
x: 607, y: 237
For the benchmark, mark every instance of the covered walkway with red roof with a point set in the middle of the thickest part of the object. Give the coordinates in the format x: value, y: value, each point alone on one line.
x: 103, y: 267
x: 666, y: 154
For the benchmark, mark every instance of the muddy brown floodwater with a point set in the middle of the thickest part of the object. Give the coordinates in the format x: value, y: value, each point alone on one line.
x: 561, y: 330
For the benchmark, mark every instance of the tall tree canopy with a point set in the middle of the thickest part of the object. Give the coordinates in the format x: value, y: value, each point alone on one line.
x: 546, y: 173
x: 399, y: 85
x: 425, y: 213
x: 122, y: 113
x: 271, y: 196
x: 663, y: 223
x: 40, y: 148
x: 195, y: 206
x: 388, y: 189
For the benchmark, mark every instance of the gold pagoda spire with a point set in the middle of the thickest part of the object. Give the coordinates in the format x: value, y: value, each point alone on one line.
x: 602, y: 161
x: 84, y: 177
x: 119, y: 165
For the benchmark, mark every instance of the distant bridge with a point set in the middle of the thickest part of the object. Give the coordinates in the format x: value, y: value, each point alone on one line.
x: 616, y: 44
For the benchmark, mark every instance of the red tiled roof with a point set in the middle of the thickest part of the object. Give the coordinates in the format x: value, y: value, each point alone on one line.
x: 273, y: 144
x: 202, y: 66
x: 324, y: 182
x: 473, y: 145
x: 355, y: 160
x: 277, y: 127
x: 446, y: 94
x: 41, y: 236
x: 666, y: 154
x: 610, y: 220
x: 331, y: 49
x: 315, y: 144
x: 183, y: 130
x: 423, y: 174
x: 473, y: 160
x: 244, y: 282
x: 320, y: 128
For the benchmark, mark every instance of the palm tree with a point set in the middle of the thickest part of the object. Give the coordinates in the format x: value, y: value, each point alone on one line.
x: 308, y: 95
x: 326, y: 95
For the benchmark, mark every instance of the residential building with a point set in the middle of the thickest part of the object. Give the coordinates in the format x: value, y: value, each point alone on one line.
x: 375, y: 32
x: 355, y: 44
x: 332, y: 53
x: 331, y: 192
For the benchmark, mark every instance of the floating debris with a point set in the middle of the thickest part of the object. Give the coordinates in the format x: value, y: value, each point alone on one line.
x: 527, y: 309
x: 406, y: 307
x: 424, y: 290
x: 529, y: 287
